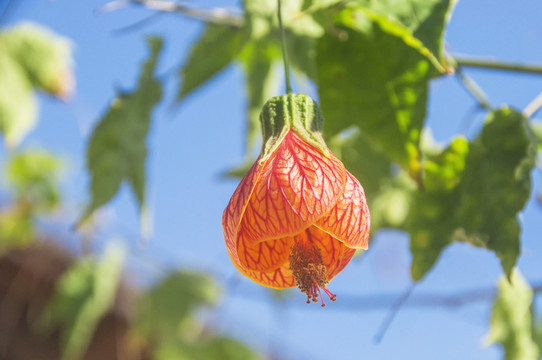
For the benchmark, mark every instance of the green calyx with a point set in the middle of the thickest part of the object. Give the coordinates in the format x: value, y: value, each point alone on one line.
x: 296, y: 112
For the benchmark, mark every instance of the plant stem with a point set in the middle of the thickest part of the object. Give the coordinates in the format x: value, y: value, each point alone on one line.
x: 463, y: 60
x: 533, y: 106
x: 284, y: 50
x: 475, y: 90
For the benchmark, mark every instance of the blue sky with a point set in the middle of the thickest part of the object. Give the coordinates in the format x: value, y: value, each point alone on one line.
x: 191, y: 145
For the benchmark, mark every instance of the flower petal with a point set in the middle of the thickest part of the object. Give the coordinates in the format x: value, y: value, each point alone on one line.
x: 236, y: 207
x: 298, y: 185
x: 265, y: 255
x: 349, y: 220
x: 334, y: 252
x: 279, y: 278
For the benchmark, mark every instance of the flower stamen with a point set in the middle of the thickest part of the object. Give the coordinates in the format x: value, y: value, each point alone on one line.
x: 309, y: 271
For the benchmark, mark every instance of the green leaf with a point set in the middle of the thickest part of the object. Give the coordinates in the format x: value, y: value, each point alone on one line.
x: 369, y: 165
x: 374, y: 74
x: 214, y: 50
x: 432, y: 220
x: 33, y: 176
x: 82, y: 296
x: 218, y: 348
x: 259, y: 59
x: 117, y: 149
x: 391, y: 205
x: 474, y: 192
x: 503, y: 155
x: 16, y: 228
x: 537, y: 129
x: 511, y: 323
x: 425, y: 19
x: 165, y: 307
x: 44, y: 56
x: 30, y: 57
x: 17, y: 103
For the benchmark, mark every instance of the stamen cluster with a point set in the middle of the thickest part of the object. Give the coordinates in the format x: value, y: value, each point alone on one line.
x: 309, y: 271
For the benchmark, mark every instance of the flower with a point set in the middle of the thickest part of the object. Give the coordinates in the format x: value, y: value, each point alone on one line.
x: 298, y: 215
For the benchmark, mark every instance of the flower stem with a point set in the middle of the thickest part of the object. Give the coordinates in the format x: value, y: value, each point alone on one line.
x: 284, y: 50
x: 472, y: 61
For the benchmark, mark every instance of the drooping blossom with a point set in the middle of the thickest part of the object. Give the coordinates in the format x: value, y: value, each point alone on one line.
x: 298, y: 216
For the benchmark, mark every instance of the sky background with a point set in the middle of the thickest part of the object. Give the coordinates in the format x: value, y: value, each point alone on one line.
x: 191, y: 145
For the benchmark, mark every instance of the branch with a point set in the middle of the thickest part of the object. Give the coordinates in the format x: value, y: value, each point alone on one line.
x: 215, y: 15
x: 488, y: 63
x: 366, y: 303
x: 474, y: 89
x: 533, y: 106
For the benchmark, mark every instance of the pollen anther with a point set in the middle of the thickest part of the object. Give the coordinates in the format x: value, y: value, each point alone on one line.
x: 309, y: 271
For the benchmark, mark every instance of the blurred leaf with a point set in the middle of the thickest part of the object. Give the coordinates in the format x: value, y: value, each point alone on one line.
x: 537, y: 129
x: 374, y: 74
x: 369, y: 165
x: 503, y: 155
x: 117, y: 149
x: 16, y: 227
x: 213, y: 349
x: 432, y: 219
x: 17, y: 104
x: 33, y: 175
x: 44, y: 56
x: 258, y: 60
x: 83, y: 295
x: 165, y: 307
x: 425, y: 19
x: 511, y: 320
x: 474, y: 193
x: 391, y: 205
x: 212, y: 52
x: 30, y: 57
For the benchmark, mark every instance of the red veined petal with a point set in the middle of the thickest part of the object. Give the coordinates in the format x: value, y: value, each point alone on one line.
x: 265, y: 255
x: 234, y: 211
x: 279, y: 278
x: 298, y: 185
x: 349, y: 220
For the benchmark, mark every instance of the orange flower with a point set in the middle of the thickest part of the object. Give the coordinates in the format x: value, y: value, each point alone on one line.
x: 298, y: 215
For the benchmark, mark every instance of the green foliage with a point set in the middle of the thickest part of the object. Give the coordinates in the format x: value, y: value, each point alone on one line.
x: 474, y: 193
x: 366, y: 163
x: 165, y: 319
x: 375, y: 75
x: 83, y: 295
x: 33, y: 175
x: 218, y: 348
x: 117, y: 149
x: 425, y: 19
x: 164, y: 308
x: 512, y: 319
x: 33, y: 180
x: 224, y: 41
x: 31, y: 57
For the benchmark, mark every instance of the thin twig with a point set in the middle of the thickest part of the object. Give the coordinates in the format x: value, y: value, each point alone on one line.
x: 366, y: 303
x: 533, y: 106
x: 214, y: 15
x: 138, y: 24
x: 392, y: 313
x: 487, y: 63
x: 472, y: 87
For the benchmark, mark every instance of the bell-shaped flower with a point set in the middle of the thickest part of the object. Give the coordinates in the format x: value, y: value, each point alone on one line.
x: 298, y: 216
